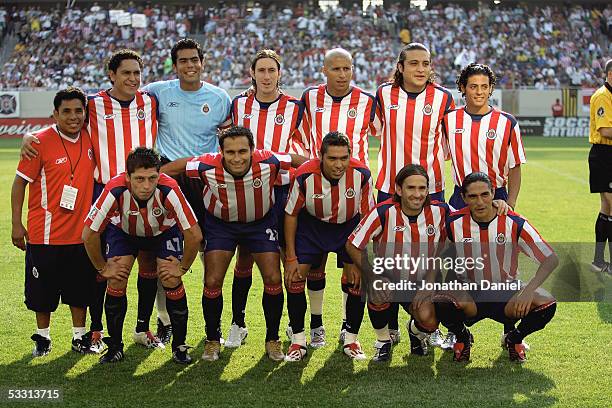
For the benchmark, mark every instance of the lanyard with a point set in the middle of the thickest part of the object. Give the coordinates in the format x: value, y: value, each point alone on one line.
x: 72, y: 169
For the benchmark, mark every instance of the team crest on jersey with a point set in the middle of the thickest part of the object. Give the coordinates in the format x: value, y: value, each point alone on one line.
x: 430, y: 230
x: 352, y: 113
x: 350, y: 193
x: 399, y: 228
x: 140, y: 114
x: 600, y: 112
x: 318, y: 196
x: 467, y: 240
x: 92, y: 213
x: 491, y: 134
x: 500, y: 239
x: 8, y: 104
x: 109, y: 116
x: 247, y: 116
x: 427, y: 110
x: 319, y: 109
x: 393, y: 107
x: 458, y: 131
x: 205, y: 109
x: 257, y: 183
x: 90, y: 154
x: 279, y: 119
x: 35, y: 272
x: 157, y: 212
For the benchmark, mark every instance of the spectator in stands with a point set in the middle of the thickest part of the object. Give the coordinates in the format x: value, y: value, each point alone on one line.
x: 557, y: 109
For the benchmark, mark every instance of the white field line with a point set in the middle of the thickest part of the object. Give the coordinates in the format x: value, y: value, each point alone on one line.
x: 579, y: 180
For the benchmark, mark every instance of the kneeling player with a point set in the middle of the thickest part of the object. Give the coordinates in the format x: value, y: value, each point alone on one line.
x: 478, y: 231
x: 412, y: 221
x: 325, y: 203
x: 143, y: 210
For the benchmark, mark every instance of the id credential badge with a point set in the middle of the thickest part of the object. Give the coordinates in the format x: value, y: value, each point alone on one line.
x: 69, y: 195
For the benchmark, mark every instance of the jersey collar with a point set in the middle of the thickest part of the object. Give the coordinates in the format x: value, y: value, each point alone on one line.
x: 608, y: 86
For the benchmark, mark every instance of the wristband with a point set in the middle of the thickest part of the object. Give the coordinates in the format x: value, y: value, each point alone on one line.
x: 293, y: 258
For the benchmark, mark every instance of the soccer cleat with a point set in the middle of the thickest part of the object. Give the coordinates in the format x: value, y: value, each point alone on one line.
x: 395, y: 336
x: 503, y: 342
x: 516, y: 352
x: 274, y: 350
x: 342, y: 336
x: 601, y: 266
x: 236, y: 336
x: 164, y: 332
x: 449, y: 341
x: 113, y: 354
x: 180, y: 354
x: 462, y: 350
x: 436, y: 338
x: 148, y: 339
x: 317, y: 337
x: 95, y: 341
x: 42, y: 345
x: 418, y: 342
x: 82, y: 345
x: 354, y: 351
x: 211, y: 350
x: 289, y: 332
x: 296, y: 352
x: 383, y: 351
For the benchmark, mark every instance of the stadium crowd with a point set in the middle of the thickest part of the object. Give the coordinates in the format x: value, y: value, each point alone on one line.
x: 543, y: 47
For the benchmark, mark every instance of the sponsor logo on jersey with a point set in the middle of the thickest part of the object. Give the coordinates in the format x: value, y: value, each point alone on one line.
x: 140, y: 114
x: 430, y: 230
x: 458, y: 131
x: 247, y: 116
x: 90, y: 154
x: 257, y: 183
x: 393, y: 107
x: 205, y: 109
x: 427, y: 110
x: 352, y: 113
x: 350, y: 193
x: 467, y: 240
x: 600, y: 112
x: 173, y: 104
x: 399, y: 228
x: 35, y: 272
x: 92, y: 213
x: 279, y: 119
x: 132, y: 212
x: 221, y: 185
x: 318, y: 196
x: 109, y: 116
x: 500, y: 239
x: 61, y: 160
x: 319, y: 109
x: 491, y: 134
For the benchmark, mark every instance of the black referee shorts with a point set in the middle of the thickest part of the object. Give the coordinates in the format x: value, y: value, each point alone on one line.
x: 600, y: 168
x: 58, y: 271
x: 192, y: 190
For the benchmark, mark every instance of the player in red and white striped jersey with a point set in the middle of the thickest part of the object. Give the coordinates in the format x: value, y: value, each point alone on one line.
x: 479, y: 233
x: 335, y: 106
x: 409, y: 113
x: 272, y: 117
x: 238, y: 198
x: 407, y: 223
x: 483, y: 138
x: 142, y: 210
x: 338, y: 106
x: 326, y: 200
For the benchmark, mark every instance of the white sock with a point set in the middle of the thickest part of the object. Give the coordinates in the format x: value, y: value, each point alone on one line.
x: 299, y: 338
x: 414, y: 330
x: 160, y: 301
x: 383, y: 334
x: 316, y: 301
x: 77, y: 333
x: 44, y: 332
x: 350, y: 338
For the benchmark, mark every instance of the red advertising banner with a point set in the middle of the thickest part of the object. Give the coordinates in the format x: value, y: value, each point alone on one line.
x: 16, y: 128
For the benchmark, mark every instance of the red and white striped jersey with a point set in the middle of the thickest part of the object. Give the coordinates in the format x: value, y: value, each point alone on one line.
x: 409, y: 125
x: 488, y: 143
x: 116, y: 128
x: 498, y: 243
x: 239, y: 199
x: 335, y: 201
x: 273, y: 124
x: 351, y: 114
x: 166, y: 208
x: 395, y: 233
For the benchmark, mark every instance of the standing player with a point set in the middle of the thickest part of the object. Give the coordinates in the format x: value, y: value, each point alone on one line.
x: 272, y: 117
x: 142, y: 210
x: 60, y: 189
x: 479, y: 232
x: 483, y: 138
x: 409, y: 114
x: 119, y: 120
x: 238, y: 197
x: 325, y: 203
x: 408, y: 223
x: 600, y: 168
x: 190, y: 113
x: 334, y: 106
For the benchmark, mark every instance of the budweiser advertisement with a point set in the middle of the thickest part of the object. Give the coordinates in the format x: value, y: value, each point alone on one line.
x: 16, y: 128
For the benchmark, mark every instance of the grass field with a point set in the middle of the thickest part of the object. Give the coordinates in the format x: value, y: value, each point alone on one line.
x: 569, y: 365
